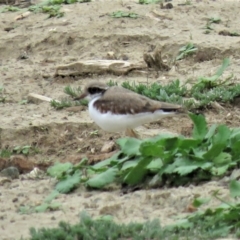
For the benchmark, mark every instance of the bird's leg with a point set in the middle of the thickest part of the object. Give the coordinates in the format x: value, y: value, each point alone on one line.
x: 131, y: 133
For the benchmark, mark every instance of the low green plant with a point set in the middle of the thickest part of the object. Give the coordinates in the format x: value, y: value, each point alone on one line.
x: 214, y: 20
x: 198, y: 95
x: 5, y: 153
x: 165, y: 160
x: 25, y: 150
x: 212, y: 223
x: 221, y: 221
x: 234, y: 34
x: 121, y: 14
x: 9, y: 9
x: 2, y: 97
x: 149, y: 1
x: 66, y: 102
x: 187, y: 50
x: 53, y: 7
x: 47, y: 205
x: 73, y: 92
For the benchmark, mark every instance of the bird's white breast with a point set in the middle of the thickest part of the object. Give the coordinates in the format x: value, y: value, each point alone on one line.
x: 120, y: 122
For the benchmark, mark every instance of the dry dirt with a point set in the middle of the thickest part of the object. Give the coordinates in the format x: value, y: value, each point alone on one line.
x: 86, y: 32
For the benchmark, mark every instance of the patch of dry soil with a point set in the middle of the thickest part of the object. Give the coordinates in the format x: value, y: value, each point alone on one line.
x: 86, y: 32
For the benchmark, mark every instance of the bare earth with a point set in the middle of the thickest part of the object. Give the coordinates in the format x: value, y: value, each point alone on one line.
x: 86, y: 32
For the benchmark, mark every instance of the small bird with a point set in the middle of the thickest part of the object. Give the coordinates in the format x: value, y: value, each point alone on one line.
x: 116, y: 109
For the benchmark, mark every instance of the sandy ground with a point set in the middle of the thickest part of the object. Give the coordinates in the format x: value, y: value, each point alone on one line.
x: 86, y: 32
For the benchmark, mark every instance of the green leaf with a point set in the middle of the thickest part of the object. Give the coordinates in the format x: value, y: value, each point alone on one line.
x: 51, y: 196
x: 59, y: 169
x: 155, y: 164
x: 200, y: 126
x: 102, y: 179
x: 54, y: 206
x: 187, y: 143
x: 219, y: 142
x: 152, y: 149
x: 137, y: 173
x: 222, y: 159
x: 211, y: 131
x: 69, y: 183
x: 42, y: 208
x: 129, y: 164
x: 129, y: 146
x: 234, y: 188
x: 107, y: 162
x: 197, y: 202
x: 184, y: 170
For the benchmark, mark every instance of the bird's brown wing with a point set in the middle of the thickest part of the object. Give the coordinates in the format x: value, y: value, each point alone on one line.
x: 122, y: 101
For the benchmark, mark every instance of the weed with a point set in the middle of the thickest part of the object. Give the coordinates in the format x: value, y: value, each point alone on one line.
x: 52, y: 7
x: 73, y: 92
x: 187, y: 50
x: 120, y: 14
x: 214, y: 20
x: 9, y: 9
x: 149, y: 1
x: 5, y: 153
x: 173, y: 160
x: 2, y: 98
x: 199, y: 95
x: 47, y: 205
x: 23, y: 102
x: 209, y: 224
x: 25, y: 150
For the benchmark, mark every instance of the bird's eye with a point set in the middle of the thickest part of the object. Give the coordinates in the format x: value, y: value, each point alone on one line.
x: 94, y: 90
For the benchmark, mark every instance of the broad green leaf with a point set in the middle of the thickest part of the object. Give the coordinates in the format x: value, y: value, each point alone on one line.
x: 69, y: 183
x: 187, y: 143
x: 129, y: 146
x: 219, y: 142
x: 219, y: 171
x: 51, y: 196
x: 59, y: 169
x: 234, y: 188
x: 54, y: 206
x: 151, y: 149
x: 197, y: 202
x: 129, y: 164
x: 137, y: 173
x: 42, y: 208
x: 155, y: 164
x: 102, y: 179
x: 184, y: 170
x: 170, y: 143
x: 107, y: 162
x: 211, y: 131
x: 200, y: 126
x: 222, y: 159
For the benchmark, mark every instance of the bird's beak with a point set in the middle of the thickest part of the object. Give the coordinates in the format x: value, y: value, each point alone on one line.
x: 82, y: 96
